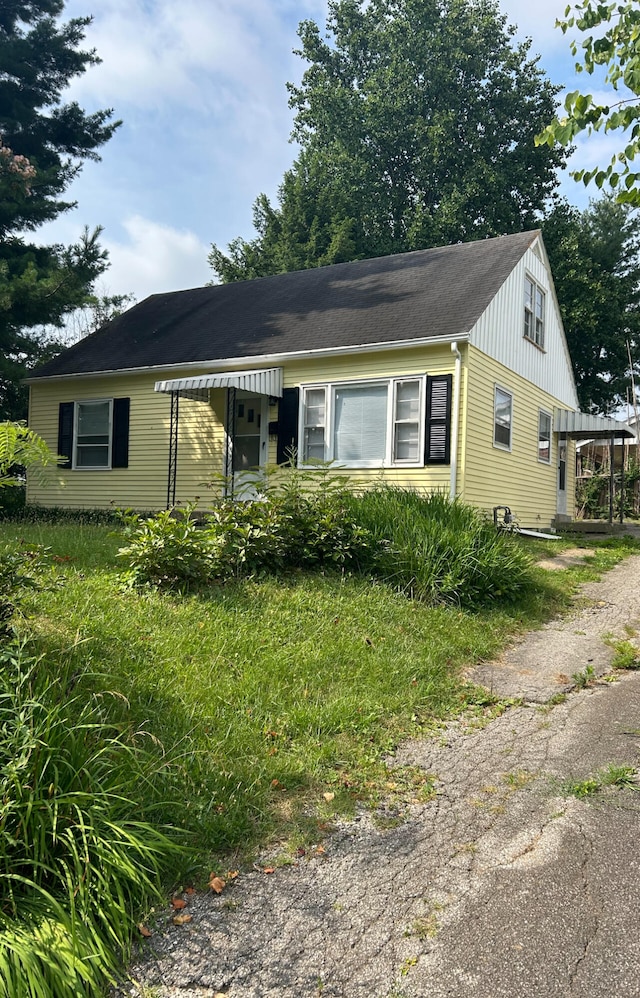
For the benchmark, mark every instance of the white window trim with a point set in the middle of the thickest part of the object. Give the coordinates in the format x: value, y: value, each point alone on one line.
x: 496, y: 443
x: 330, y: 387
x: 532, y: 339
x: 544, y: 412
x: 87, y: 467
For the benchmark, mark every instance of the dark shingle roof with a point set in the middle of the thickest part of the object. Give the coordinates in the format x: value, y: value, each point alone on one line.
x: 425, y: 294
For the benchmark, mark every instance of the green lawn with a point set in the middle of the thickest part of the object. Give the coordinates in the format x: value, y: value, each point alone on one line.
x: 263, y: 696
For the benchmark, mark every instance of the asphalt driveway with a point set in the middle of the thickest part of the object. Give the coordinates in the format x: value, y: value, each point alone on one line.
x: 505, y: 885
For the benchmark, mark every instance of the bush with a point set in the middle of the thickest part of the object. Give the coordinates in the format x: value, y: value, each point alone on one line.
x: 434, y: 549
x: 440, y: 551
x: 18, y: 573
x: 12, y: 502
x: 32, y: 513
x: 302, y: 520
x: 75, y: 863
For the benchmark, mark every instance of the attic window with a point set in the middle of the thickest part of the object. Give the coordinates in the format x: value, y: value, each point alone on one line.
x: 534, y: 298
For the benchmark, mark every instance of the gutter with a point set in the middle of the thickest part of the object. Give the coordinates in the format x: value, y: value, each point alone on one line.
x: 455, y: 422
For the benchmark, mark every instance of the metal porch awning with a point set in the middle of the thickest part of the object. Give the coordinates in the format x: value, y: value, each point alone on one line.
x: 266, y: 381
x: 584, y: 426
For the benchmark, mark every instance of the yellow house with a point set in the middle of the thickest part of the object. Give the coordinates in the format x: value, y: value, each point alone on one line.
x: 442, y: 369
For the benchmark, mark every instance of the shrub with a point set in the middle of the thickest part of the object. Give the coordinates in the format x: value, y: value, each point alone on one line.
x: 18, y: 573
x: 12, y: 502
x: 434, y: 549
x: 302, y: 520
x: 439, y: 550
x: 75, y: 863
x: 166, y: 549
x: 32, y: 513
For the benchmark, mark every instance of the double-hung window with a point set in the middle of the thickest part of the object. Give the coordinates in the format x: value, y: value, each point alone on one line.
x: 534, y: 305
x: 93, y: 434
x: 502, y: 418
x: 365, y: 424
x: 92, y: 444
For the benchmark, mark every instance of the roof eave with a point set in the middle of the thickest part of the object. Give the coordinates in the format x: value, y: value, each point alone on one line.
x: 229, y: 363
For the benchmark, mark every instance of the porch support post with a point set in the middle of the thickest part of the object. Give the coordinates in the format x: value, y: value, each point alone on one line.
x: 231, y: 432
x: 173, y: 451
x: 622, y: 470
x: 612, y: 477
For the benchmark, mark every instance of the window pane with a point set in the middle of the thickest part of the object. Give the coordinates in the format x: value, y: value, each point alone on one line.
x: 408, y: 400
x: 246, y: 451
x: 407, y: 441
x: 92, y: 457
x: 528, y: 294
x: 544, y: 437
x: 502, y: 425
x: 314, y: 412
x: 360, y: 432
x: 314, y: 444
x: 93, y: 419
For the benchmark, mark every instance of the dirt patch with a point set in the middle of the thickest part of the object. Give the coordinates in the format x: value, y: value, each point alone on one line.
x: 567, y: 559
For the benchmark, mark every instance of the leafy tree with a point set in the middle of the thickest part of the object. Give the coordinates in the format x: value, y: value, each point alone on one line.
x: 416, y: 121
x: 43, y: 143
x: 99, y: 309
x: 596, y: 269
x: 21, y: 447
x: 617, y: 47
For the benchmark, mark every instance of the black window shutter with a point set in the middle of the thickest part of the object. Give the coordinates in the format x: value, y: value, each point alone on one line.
x: 438, y: 430
x: 288, y: 424
x: 65, y: 434
x: 120, y: 437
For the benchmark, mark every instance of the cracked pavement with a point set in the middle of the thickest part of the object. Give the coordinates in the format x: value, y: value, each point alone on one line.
x: 502, y: 886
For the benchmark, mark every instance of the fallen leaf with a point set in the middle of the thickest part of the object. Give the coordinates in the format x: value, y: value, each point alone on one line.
x: 275, y: 783
x: 144, y: 931
x: 189, y: 890
x: 268, y: 869
x: 178, y: 903
x: 217, y: 884
x: 328, y: 796
x: 300, y: 851
x: 232, y: 874
x: 320, y: 850
x: 181, y: 919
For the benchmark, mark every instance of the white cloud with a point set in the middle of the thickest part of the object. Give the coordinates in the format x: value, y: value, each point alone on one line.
x: 537, y: 21
x: 155, y: 258
x: 205, y: 56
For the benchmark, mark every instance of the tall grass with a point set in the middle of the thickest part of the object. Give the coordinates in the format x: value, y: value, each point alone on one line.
x: 441, y: 551
x: 75, y: 862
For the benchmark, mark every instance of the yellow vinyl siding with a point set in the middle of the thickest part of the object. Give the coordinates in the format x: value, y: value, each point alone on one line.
x: 201, y: 442
x: 516, y: 478
x: 143, y: 485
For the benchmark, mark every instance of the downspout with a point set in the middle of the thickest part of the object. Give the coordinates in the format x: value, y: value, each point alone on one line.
x: 455, y: 421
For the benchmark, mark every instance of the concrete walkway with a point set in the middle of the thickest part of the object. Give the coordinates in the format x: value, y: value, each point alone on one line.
x: 503, y: 886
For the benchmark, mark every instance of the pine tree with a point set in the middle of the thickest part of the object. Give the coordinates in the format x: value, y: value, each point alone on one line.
x: 43, y: 144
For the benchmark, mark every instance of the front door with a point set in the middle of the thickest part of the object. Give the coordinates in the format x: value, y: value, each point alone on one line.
x: 562, y: 477
x: 249, y: 441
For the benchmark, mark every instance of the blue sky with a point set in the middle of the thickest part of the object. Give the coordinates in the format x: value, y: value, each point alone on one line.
x: 201, y: 89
